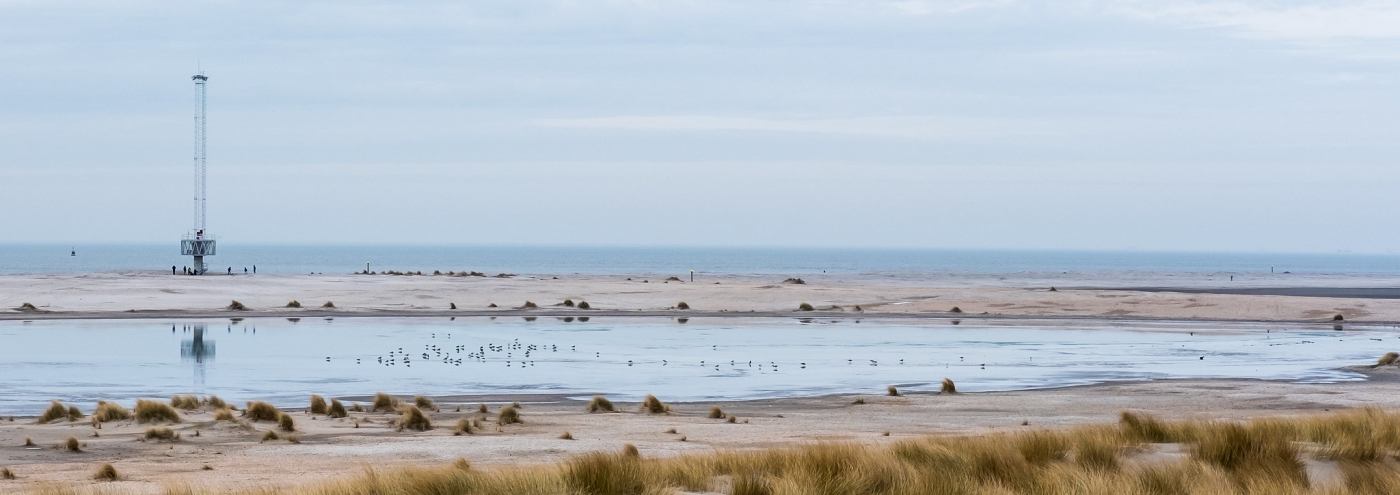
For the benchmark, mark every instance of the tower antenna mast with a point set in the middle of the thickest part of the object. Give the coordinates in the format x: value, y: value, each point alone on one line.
x: 198, y: 243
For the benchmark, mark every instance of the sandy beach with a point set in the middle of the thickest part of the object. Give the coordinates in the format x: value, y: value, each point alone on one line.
x: 222, y: 454
x: 1096, y: 296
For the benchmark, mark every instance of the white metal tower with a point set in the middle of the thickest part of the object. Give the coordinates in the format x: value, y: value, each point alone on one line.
x: 198, y: 243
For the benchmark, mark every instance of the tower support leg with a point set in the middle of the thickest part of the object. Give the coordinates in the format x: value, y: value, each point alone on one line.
x: 199, y: 265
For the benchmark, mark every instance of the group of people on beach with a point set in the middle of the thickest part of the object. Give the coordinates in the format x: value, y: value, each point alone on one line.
x: 190, y: 271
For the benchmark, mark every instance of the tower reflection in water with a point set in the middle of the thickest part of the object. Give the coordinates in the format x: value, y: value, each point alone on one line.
x: 197, y: 351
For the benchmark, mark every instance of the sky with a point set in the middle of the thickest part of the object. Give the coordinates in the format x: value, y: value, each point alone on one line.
x: 999, y: 124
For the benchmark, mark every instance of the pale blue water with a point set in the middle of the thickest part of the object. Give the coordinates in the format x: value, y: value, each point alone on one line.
x: 626, y: 358
x: 34, y: 258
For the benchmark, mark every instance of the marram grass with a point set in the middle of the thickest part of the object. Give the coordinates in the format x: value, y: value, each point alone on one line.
x: 1258, y: 457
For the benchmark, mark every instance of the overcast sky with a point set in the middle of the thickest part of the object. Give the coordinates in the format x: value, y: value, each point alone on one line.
x: 1057, y: 124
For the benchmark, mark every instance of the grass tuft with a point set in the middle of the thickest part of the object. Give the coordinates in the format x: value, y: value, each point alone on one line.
x: 529, y: 305
x: 261, y: 411
x: 161, y: 433
x: 6, y: 474
x: 110, y: 411
x: 462, y: 464
x: 508, y: 416
x: 682, y: 305
x: 55, y: 411
x: 337, y: 410
x: 1143, y: 427
x: 463, y: 427
x: 106, y: 472
x: 481, y: 408
x: 186, y: 402
x: 584, y: 305
x: 318, y: 405
x: 328, y: 305
x: 566, y: 436
x: 412, y: 418
x: 148, y: 411
x: 28, y: 442
x: 236, y: 306
x: 215, y: 402
x: 27, y: 307
x: 424, y: 403
x: 286, y: 423
x: 716, y: 413
x: 892, y: 391
x: 72, y: 445
x: 384, y: 401
x: 294, y: 304
x: 955, y: 310
x: 948, y: 387
x: 1338, y: 317
x: 652, y: 405
x: 268, y: 436
x: 1388, y: 359
x: 569, y: 303
x: 600, y: 404
x: 223, y: 415
x: 805, y: 307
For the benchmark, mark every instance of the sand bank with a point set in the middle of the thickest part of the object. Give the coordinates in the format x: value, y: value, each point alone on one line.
x: 148, y: 295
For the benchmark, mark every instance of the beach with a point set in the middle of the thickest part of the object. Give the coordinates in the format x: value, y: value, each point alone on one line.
x: 232, y: 454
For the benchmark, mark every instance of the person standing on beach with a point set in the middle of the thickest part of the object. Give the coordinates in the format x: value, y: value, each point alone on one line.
x: 255, y: 269
x: 172, y: 269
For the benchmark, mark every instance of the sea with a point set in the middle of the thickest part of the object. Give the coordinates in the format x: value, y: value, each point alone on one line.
x: 335, y: 259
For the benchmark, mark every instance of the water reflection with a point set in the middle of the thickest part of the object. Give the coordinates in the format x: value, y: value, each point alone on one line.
x: 198, y: 351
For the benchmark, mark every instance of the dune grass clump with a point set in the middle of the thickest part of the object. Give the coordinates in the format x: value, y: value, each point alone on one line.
x: 28, y: 442
x: 186, y: 402
x: 566, y: 436
x: 215, y: 402
x: 508, y: 416
x: 948, y: 387
x: 6, y: 474
x: 412, y: 418
x: 286, y: 423
x: 294, y: 304
x: 1144, y: 427
x: 268, y: 436
x: 584, y: 305
x: 805, y: 307
x: 355, y: 406
x: 261, y: 411
x: 481, y: 408
x: 328, y: 305
x: 72, y: 445
x: 1339, y: 317
x: 652, y: 405
x: 223, y: 415
x: 318, y: 404
x: 452, y: 305
x: 384, y: 401
x: 716, y: 413
x: 106, y: 472
x: 600, y: 404
x: 424, y: 403
x: 74, y: 413
x: 1388, y: 359
x: 529, y: 305
x: 161, y: 434
x: 955, y: 310
x: 463, y: 427
x: 27, y: 307
x: 336, y: 410
x: 569, y: 303
x: 1245, y: 453
x: 236, y: 306
x: 148, y: 411
x: 682, y: 305
x: 892, y: 391
x: 55, y: 411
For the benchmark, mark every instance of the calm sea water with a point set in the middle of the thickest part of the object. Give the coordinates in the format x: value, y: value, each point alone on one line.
x: 33, y: 258
x: 704, y: 359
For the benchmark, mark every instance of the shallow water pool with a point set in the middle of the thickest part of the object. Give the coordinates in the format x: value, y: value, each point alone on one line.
x: 284, y: 361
